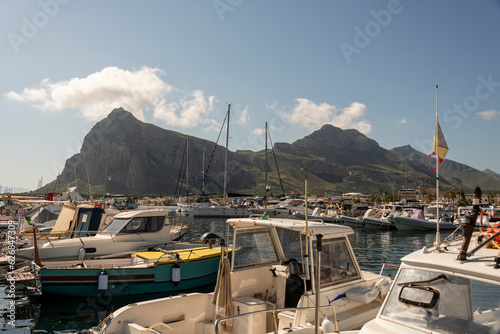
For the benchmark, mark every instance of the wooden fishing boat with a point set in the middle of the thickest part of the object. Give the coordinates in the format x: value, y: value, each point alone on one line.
x: 155, y: 271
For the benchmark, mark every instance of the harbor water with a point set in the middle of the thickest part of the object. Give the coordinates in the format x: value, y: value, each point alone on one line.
x: 21, y: 314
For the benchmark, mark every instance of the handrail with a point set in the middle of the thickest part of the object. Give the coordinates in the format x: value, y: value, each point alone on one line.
x: 274, y: 310
x: 383, y: 260
x: 158, y: 323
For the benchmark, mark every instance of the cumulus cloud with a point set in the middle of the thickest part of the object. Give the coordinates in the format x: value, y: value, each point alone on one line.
x: 243, y: 119
x: 191, y: 110
x: 257, y: 131
x: 312, y: 116
x: 99, y: 93
x: 489, y: 115
x: 402, y: 121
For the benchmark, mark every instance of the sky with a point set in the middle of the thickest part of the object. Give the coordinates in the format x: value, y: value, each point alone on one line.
x: 372, y: 66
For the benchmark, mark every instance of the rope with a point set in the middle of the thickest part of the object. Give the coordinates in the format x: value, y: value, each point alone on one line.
x: 178, y: 186
x: 212, y: 156
x: 276, y: 162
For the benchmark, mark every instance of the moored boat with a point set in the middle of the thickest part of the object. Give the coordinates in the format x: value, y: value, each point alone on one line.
x: 447, y: 288
x: 418, y: 222
x: 156, y: 271
x: 128, y: 232
x: 378, y: 218
x: 270, y: 285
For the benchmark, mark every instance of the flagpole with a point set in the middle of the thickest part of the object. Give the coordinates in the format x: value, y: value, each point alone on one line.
x: 436, y: 150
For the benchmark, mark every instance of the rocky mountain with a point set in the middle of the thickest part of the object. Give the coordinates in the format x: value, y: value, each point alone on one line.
x: 454, y: 174
x: 124, y: 155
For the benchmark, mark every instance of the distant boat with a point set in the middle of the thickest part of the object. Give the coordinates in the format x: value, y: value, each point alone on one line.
x: 224, y: 210
x: 146, y: 272
x: 378, y: 218
x: 417, y: 222
x: 328, y: 216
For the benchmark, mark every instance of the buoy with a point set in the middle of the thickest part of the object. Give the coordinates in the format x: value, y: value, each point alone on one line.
x: 176, y: 274
x: 102, y: 282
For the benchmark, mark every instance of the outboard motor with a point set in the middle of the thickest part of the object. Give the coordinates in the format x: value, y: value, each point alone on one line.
x: 294, y: 283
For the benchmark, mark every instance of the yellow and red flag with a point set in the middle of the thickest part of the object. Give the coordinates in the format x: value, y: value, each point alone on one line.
x: 440, y: 147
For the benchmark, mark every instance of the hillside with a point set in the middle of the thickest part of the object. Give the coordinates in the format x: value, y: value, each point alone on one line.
x: 124, y: 155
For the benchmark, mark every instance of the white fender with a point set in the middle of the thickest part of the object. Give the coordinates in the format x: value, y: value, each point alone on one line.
x: 102, y: 282
x: 176, y: 273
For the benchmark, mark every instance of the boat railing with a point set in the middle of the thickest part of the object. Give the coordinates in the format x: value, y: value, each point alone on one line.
x: 275, y: 312
x: 384, y: 264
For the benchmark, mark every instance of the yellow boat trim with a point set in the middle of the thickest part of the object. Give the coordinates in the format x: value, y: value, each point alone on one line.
x: 185, y: 255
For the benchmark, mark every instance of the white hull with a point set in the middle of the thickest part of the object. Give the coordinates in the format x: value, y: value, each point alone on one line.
x: 411, y: 224
x: 220, y: 212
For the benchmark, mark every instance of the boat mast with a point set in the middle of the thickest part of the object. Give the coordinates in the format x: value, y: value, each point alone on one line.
x: 265, y: 169
x: 436, y: 150
x: 187, y: 169
x: 225, y: 158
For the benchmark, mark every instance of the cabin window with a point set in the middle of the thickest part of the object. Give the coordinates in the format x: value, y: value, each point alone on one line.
x: 253, y: 248
x: 135, y: 225
x: 115, y: 225
x: 143, y: 225
x: 337, y: 265
x: 291, y: 243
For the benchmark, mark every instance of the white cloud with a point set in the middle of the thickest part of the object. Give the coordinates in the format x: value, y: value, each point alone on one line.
x: 312, y: 116
x: 190, y: 111
x: 257, y: 131
x: 402, y: 121
x: 489, y: 115
x: 99, y: 93
x: 243, y: 119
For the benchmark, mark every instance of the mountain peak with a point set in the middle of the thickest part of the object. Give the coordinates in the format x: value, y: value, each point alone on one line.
x: 121, y: 114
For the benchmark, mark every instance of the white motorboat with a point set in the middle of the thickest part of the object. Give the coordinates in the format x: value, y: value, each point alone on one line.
x: 415, y: 220
x: 72, y: 222
x: 128, y: 232
x: 378, y: 218
x: 269, y: 286
x: 222, y: 211
x: 329, y: 216
x: 445, y: 289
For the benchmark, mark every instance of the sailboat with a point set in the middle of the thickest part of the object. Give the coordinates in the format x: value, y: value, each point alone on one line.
x: 225, y: 210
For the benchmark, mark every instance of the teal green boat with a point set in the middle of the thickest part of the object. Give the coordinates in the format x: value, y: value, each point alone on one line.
x: 155, y: 271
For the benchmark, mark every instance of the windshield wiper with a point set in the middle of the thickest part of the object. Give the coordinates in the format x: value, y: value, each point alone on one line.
x: 417, y: 283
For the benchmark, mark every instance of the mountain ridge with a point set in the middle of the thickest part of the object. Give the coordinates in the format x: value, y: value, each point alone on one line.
x: 121, y: 154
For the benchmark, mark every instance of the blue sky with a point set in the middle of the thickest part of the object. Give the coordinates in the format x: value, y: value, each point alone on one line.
x: 368, y: 65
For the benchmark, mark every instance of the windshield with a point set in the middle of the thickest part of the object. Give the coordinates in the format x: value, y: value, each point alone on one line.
x: 253, y: 248
x: 337, y: 265
x: 115, y: 225
x: 441, y: 301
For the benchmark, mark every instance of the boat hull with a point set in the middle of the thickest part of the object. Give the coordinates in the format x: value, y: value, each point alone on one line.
x: 128, y: 281
x: 411, y: 224
x: 220, y: 212
x: 378, y: 224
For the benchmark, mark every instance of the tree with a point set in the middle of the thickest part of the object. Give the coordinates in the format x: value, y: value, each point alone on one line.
x: 478, y: 193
